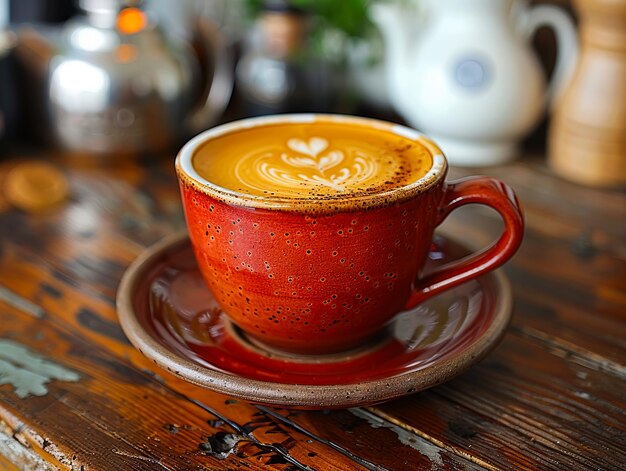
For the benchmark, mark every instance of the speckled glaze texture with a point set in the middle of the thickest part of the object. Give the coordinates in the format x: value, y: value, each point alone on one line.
x: 306, y: 282
x: 320, y: 276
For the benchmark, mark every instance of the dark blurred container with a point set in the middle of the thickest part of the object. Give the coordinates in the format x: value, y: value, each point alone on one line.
x: 41, y: 11
x: 279, y: 72
x: 9, y: 108
x: 12, y: 77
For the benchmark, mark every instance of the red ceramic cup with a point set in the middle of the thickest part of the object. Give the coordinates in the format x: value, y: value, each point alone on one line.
x: 329, y: 280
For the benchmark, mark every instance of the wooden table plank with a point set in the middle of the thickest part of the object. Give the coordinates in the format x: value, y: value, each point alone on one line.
x: 114, y: 417
x: 66, y: 303
x: 549, y: 397
x: 368, y: 435
x: 561, y: 209
x: 563, y: 294
x: 524, y: 408
x: 78, y: 291
x: 83, y: 420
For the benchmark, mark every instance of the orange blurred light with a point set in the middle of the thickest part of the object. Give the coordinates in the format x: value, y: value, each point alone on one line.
x: 126, y: 53
x: 131, y: 20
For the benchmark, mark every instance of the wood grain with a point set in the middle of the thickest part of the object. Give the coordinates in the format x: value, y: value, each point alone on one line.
x: 551, y: 396
x: 539, y: 412
x: 72, y: 280
x: 318, y: 452
x: 569, y: 271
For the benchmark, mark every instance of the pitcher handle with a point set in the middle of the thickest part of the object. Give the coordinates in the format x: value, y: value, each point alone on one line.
x: 480, y: 190
x: 221, y: 86
x: 567, y: 45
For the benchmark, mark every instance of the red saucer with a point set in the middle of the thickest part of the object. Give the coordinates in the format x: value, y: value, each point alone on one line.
x: 170, y: 316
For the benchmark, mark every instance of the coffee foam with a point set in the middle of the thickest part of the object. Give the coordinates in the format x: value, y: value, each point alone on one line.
x: 313, y: 159
x: 301, y: 160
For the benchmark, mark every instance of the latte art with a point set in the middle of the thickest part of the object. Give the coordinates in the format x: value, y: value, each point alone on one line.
x: 308, y: 164
x: 319, y: 159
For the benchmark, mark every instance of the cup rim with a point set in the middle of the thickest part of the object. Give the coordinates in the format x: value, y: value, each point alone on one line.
x: 187, y: 173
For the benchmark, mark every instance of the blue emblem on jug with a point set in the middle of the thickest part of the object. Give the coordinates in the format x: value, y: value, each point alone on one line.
x: 471, y: 73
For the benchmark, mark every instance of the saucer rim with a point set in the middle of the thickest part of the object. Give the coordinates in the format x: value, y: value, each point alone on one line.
x: 302, y: 395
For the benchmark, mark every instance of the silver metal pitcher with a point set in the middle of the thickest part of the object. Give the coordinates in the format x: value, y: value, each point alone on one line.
x: 118, y: 85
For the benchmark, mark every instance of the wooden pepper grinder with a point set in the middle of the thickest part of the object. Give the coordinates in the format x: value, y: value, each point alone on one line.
x: 587, y: 142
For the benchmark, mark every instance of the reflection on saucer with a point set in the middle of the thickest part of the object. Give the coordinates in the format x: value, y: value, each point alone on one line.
x: 167, y: 312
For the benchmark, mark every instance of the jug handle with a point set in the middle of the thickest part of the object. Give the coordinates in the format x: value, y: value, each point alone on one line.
x: 220, y: 83
x: 567, y: 45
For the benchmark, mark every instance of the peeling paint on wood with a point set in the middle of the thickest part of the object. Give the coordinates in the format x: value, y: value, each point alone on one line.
x: 23, y: 458
x: 15, y: 300
x: 29, y: 372
x: 432, y: 452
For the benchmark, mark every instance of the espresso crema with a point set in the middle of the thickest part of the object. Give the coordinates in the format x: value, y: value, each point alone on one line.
x: 313, y: 159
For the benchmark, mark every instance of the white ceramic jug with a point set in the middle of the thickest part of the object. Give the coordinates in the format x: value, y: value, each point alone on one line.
x: 463, y: 71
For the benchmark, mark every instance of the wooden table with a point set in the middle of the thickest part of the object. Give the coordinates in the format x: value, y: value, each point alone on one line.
x: 551, y: 396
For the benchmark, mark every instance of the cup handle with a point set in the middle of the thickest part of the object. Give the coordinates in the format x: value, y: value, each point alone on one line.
x: 480, y: 190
